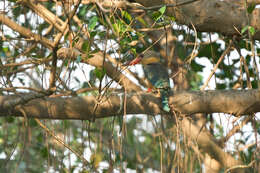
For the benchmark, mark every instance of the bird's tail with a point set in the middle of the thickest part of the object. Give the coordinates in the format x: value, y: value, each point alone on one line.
x: 165, y: 99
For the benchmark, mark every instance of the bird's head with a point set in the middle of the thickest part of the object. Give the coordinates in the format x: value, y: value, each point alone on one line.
x: 149, y: 57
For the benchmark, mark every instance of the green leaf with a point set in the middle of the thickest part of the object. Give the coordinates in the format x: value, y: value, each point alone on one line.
x: 39, y: 138
x: 141, y: 20
x: 116, y: 28
x: 251, y: 30
x: 172, y: 18
x: 93, y: 34
x: 251, y: 8
x: 102, y: 34
x: 33, y: 123
x: 244, y: 29
x: 93, y: 52
x: 85, y: 46
x: 162, y: 9
x: 83, y: 11
x: 126, y: 15
x: 44, y: 152
x: 221, y: 86
x: 92, y: 22
x: 156, y: 15
x: 197, y: 67
x: 9, y: 119
x: 119, y: 26
x: 5, y: 49
x: 17, y: 10
x: 99, y: 73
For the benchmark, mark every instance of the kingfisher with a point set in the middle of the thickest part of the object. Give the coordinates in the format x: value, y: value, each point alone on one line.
x: 157, y: 75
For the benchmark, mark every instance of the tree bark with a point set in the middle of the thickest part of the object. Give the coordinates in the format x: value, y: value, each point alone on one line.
x: 227, y: 17
x: 85, y: 108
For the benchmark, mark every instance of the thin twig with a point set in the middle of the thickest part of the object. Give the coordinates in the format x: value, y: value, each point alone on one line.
x: 193, y: 54
x: 240, y: 166
x: 216, y: 66
x: 51, y: 133
x: 23, y: 88
x: 235, y: 129
x: 242, y: 60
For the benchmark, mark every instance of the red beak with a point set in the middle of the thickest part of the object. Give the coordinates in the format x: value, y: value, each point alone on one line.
x: 135, y: 61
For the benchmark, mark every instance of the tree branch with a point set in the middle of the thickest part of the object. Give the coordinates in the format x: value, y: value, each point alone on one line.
x: 45, y: 14
x: 207, y: 145
x: 235, y: 102
x: 25, y: 32
x: 186, y: 102
x: 97, y: 61
x: 227, y: 17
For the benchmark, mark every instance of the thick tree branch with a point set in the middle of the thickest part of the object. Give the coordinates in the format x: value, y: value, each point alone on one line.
x: 235, y: 102
x: 186, y: 102
x: 227, y: 17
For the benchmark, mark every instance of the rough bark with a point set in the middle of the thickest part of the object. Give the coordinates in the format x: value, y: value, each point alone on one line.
x: 186, y: 102
x: 227, y: 17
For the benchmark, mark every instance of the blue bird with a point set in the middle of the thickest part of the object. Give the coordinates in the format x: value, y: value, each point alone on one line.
x: 157, y: 75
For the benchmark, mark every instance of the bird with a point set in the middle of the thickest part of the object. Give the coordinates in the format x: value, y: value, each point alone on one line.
x: 156, y: 73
